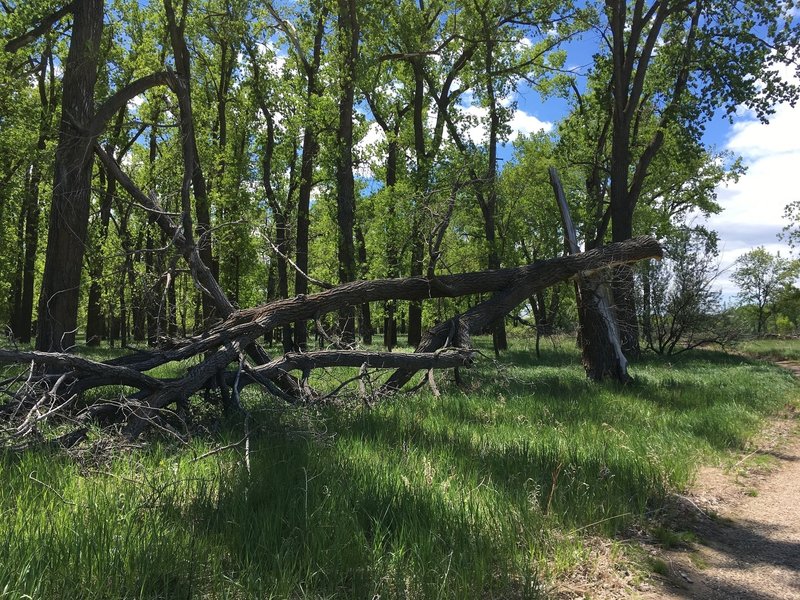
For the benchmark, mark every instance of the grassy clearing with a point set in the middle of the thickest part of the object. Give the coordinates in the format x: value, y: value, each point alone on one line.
x: 484, y: 492
x: 772, y: 349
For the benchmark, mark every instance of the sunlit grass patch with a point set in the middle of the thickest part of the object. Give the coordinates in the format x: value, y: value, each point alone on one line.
x: 772, y: 349
x: 487, y: 491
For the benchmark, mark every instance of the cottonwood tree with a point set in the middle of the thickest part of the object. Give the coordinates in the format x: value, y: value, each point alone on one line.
x: 349, y: 37
x: 763, y: 278
x: 81, y: 122
x: 679, y: 61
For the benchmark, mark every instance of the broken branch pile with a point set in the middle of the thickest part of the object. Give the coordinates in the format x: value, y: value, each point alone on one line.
x: 55, y: 384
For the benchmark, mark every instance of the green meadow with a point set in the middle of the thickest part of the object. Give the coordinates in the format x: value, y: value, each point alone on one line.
x: 490, y: 491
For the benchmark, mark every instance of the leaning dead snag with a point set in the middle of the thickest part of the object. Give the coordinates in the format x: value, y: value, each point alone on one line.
x: 601, y: 347
x: 224, y: 347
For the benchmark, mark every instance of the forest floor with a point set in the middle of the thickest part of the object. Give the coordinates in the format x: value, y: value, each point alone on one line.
x: 736, y: 533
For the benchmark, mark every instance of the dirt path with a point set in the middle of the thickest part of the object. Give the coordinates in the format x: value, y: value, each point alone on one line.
x: 747, y: 527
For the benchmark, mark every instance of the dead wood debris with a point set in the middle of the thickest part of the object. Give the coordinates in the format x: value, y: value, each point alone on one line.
x: 55, y: 398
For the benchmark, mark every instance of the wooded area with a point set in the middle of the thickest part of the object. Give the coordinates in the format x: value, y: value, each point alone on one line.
x: 167, y: 165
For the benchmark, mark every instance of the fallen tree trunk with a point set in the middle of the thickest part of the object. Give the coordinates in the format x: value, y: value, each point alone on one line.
x: 228, y: 342
x: 306, y: 361
x: 480, y: 317
x: 249, y: 324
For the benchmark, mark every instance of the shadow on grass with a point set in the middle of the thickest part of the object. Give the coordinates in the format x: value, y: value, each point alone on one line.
x: 421, y: 497
x: 575, y: 484
x: 347, y: 525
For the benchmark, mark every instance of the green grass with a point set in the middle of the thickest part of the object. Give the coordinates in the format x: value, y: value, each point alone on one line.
x: 484, y: 492
x: 772, y: 349
x: 658, y: 566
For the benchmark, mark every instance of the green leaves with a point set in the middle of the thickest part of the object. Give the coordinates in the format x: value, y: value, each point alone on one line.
x: 764, y: 280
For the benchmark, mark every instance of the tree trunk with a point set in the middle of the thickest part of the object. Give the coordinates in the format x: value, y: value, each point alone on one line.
x: 392, y: 268
x: 172, y: 313
x: 622, y: 281
x: 599, y: 336
x: 223, y: 343
x: 138, y: 287
x: 32, y: 211
x: 647, y: 309
x: 15, y: 298
x: 69, y: 212
x: 189, y: 144
x: 366, y: 313
x: 150, y: 294
x: 489, y: 206
x: 95, y: 317
x: 506, y: 298
x: 345, y: 184
x: 415, y: 306
x: 47, y: 101
x: 307, y: 161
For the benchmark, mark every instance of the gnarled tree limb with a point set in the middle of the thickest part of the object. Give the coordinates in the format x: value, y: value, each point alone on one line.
x: 225, y: 343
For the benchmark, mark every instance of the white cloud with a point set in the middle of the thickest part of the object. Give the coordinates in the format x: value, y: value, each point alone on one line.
x: 521, y: 123
x: 753, y: 207
x: 524, y: 44
x: 755, y: 141
x: 135, y: 102
x: 365, y: 149
x: 373, y: 136
x: 525, y: 123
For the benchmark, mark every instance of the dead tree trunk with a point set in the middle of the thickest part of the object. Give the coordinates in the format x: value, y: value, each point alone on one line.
x: 225, y: 342
x: 599, y: 336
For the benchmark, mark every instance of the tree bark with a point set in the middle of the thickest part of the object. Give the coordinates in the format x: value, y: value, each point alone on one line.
x: 247, y: 324
x: 69, y: 211
x: 599, y: 336
x: 345, y: 183
x: 392, y: 267
x: 366, y: 314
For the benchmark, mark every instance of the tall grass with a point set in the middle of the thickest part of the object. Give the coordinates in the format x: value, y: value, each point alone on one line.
x: 484, y: 492
x: 772, y: 349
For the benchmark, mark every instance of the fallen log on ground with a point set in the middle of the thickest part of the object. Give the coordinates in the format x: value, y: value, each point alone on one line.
x: 230, y: 341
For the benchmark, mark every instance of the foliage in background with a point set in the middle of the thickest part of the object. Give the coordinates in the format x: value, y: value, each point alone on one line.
x: 766, y: 282
x: 681, y: 305
x: 435, y: 97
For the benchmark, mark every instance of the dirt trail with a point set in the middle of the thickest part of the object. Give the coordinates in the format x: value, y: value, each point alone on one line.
x: 747, y: 525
